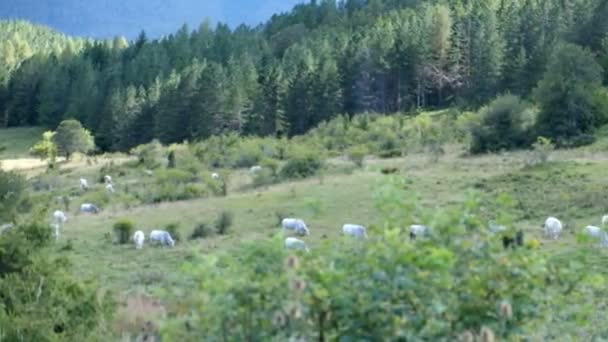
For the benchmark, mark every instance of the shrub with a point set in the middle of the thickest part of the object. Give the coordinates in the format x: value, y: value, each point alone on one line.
x: 248, y: 154
x: 357, y: 155
x: 40, y: 300
x: 171, y: 160
x: 12, y: 195
x: 201, y: 231
x: 148, y: 155
x: 541, y: 151
x: 123, y: 230
x: 504, y: 125
x: 268, y: 293
x: 223, y: 223
x: 301, y: 167
x: 174, y: 176
x: 173, y: 229
x: 271, y: 164
x: 264, y: 178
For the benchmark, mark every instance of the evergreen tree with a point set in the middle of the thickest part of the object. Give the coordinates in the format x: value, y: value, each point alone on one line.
x: 565, y: 95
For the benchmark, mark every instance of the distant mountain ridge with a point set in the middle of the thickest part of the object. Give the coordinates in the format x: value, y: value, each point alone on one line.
x: 108, y: 18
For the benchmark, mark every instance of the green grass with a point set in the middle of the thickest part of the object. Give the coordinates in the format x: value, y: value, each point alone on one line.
x: 570, y: 188
x: 16, y: 142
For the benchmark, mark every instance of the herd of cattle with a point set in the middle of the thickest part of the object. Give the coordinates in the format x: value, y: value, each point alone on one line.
x: 552, y: 227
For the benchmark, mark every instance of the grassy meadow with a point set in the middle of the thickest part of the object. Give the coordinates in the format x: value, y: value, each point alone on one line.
x: 572, y: 186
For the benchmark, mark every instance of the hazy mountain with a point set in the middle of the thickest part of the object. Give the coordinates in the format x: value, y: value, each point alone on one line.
x: 107, y: 18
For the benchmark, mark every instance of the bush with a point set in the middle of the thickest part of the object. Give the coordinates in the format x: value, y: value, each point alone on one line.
x: 173, y: 229
x: 264, y: 178
x: 201, y: 231
x: 12, y: 195
x: 301, y: 167
x: 248, y: 154
x: 504, y: 125
x: 223, y: 223
x: 271, y: 164
x: 148, y: 155
x: 123, y: 230
x: 40, y: 301
x: 428, y: 282
x: 174, y: 176
x: 357, y: 155
x: 270, y: 294
x: 541, y: 151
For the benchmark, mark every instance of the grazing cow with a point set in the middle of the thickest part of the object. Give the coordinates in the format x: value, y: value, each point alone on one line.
x: 60, y: 217
x: 604, y: 220
x: 255, y: 169
x: 594, y: 231
x: 518, y: 241
x: 110, y: 188
x: 5, y: 227
x: 162, y: 237
x: 215, y: 175
x: 296, y: 225
x: 553, y: 227
x: 496, y: 228
x: 107, y: 179
x: 417, y: 230
x: 355, y: 230
x: 89, y: 208
x: 84, y: 185
x: 149, y: 172
x: 138, y: 239
x: 297, y: 244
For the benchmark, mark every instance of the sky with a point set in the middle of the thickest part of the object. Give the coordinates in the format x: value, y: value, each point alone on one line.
x: 109, y: 18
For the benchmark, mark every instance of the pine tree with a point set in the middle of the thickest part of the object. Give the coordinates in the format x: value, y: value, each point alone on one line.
x: 565, y: 95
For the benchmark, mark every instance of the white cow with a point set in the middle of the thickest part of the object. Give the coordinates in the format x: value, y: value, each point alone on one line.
x: 496, y: 228
x: 138, y: 239
x: 110, y: 188
x: 255, y: 169
x: 604, y: 220
x: 297, y: 244
x: 417, y: 230
x: 5, y: 227
x: 355, y: 230
x: 89, y: 208
x: 107, y: 179
x: 553, y: 227
x: 594, y: 231
x: 215, y: 175
x: 149, y: 172
x: 296, y: 225
x: 162, y: 237
x: 59, y: 217
x: 84, y: 185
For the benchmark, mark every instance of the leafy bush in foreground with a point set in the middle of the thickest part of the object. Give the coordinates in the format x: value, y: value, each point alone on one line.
x: 39, y: 300
x: 458, y: 281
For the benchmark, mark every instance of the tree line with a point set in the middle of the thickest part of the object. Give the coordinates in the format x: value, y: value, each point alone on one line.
x: 303, y: 67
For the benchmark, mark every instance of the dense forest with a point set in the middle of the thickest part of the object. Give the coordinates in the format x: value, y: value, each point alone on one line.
x: 300, y: 68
